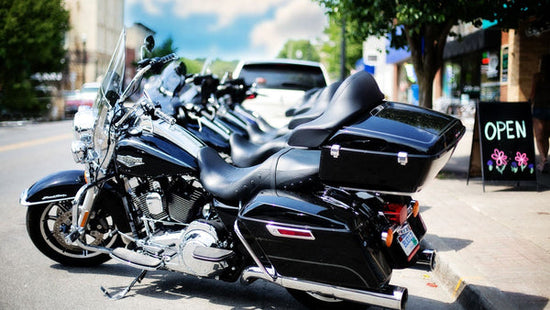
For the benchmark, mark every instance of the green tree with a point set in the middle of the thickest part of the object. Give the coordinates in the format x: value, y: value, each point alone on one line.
x: 423, y: 26
x: 299, y: 49
x: 331, y: 49
x: 32, y: 34
x: 165, y: 48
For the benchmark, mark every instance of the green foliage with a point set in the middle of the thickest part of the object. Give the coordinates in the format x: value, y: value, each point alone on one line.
x: 331, y: 49
x: 299, y: 49
x: 165, y: 48
x: 31, y: 40
x: 423, y: 26
x: 193, y: 65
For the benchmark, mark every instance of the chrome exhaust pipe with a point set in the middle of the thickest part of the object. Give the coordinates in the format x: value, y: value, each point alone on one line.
x: 427, y: 257
x: 393, y: 297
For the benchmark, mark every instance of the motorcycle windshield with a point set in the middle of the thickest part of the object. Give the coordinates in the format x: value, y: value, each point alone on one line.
x: 109, y: 92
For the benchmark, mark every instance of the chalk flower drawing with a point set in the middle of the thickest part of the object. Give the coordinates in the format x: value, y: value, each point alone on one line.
x: 514, y: 167
x: 522, y: 159
x: 499, y: 157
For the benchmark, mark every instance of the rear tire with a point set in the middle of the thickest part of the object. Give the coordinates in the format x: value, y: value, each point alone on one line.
x: 48, y: 224
x: 317, y: 301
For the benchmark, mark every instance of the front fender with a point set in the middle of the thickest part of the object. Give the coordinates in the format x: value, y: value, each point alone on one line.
x: 57, y: 186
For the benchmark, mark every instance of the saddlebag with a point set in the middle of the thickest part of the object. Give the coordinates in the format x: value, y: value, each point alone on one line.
x: 308, y: 238
x: 396, y: 148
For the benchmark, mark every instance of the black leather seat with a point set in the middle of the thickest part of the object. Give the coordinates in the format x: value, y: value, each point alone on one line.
x: 245, y: 153
x: 287, y: 169
x: 320, y: 105
x: 357, y: 95
x: 312, y: 107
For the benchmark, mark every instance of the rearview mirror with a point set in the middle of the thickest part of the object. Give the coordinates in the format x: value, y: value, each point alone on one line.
x: 149, y: 42
x: 148, y: 46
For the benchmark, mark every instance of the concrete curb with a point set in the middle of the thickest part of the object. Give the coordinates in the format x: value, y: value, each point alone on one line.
x: 470, y: 290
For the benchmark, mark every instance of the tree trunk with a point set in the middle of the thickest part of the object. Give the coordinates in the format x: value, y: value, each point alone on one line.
x: 427, y: 56
x: 425, y: 89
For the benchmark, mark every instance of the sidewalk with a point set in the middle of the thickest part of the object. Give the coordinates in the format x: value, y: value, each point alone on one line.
x: 493, y: 246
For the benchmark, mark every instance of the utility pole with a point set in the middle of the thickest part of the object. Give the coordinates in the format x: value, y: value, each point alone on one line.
x: 343, y: 51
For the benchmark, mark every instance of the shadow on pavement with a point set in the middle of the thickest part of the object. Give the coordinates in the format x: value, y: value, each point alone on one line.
x: 484, y: 297
x: 210, y: 293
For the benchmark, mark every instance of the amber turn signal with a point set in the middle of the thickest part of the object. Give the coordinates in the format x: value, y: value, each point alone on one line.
x: 387, y: 237
x: 416, y: 208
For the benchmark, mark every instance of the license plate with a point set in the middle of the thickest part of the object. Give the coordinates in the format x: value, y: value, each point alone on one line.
x: 407, y: 240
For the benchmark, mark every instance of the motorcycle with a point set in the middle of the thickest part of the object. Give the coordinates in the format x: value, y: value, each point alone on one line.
x: 328, y: 218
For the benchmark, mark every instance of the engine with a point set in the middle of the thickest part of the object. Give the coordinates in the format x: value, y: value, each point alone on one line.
x: 200, y: 248
x: 200, y: 252
x: 167, y: 198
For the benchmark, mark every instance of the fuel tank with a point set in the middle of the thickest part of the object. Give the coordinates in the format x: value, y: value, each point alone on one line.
x: 151, y: 155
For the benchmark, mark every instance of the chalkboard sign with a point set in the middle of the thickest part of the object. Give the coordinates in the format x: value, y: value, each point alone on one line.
x: 505, y: 137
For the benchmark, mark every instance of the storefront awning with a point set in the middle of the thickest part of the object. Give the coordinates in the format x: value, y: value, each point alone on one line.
x: 483, y: 39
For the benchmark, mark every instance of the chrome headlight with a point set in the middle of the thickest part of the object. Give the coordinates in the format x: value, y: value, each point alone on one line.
x: 83, y: 123
x: 79, y: 150
x: 83, y: 126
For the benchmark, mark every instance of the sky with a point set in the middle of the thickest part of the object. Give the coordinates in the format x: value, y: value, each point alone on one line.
x: 228, y: 29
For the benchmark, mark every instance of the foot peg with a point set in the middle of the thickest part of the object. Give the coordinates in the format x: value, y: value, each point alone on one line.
x: 135, y: 259
x: 125, y: 291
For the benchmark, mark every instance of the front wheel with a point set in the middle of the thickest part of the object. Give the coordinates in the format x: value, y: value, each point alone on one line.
x: 48, y: 224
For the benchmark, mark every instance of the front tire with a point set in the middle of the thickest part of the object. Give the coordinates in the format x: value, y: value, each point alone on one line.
x: 48, y: 224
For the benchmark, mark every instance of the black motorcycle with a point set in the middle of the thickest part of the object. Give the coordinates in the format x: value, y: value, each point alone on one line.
x: 328, y: 217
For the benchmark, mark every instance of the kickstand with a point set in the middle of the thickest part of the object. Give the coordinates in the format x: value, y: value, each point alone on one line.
x: 125, y: 291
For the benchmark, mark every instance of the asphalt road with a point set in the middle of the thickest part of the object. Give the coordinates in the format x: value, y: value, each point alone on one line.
x: 29, y: 280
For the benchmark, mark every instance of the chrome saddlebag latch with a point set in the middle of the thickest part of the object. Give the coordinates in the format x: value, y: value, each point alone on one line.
x: 335, y: 150
x: 402, y: 158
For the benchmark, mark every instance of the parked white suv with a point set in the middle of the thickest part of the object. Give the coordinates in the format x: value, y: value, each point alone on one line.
x: 280, y: 84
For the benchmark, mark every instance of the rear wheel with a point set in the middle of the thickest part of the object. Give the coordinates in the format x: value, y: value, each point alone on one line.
x: 318, y: 301
x: 48, y: 224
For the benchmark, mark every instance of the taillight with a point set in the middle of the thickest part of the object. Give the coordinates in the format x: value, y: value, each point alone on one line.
x: 396, y: 212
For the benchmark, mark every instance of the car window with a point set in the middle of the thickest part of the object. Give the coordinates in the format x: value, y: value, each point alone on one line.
x: 90, y: 89
x: 283, y: 76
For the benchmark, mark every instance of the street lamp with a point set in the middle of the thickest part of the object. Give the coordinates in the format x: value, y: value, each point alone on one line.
x: 84, y: 58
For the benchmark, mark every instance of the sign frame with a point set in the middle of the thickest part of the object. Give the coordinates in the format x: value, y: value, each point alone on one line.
x: 502, y: 143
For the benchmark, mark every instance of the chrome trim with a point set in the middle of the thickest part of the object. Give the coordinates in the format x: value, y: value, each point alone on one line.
x: 274, y: 230
x: 394, y: 298
x: 180, y: 136
x: 266, y: 274
x: 93, y: 248
x: 346, y: 229
x: 403, y: 158
x: 225, y: 133
x: 130, y: 161
x: 23, y: 199
x: 335, y: 150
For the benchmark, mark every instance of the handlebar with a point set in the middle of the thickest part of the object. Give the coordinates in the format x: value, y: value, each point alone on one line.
x: 150, y: 109
x: 157, y: 63
x: 165, y: 117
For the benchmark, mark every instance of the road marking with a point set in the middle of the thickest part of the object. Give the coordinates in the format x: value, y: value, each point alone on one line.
x: 35, y: 142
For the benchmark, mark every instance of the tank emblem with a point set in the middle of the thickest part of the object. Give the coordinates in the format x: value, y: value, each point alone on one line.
x: 130, y: 161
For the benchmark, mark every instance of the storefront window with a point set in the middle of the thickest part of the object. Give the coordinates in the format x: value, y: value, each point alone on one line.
x: 490, y: 75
